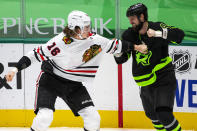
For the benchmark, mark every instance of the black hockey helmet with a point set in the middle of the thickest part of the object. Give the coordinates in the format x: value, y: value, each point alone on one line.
x: 137, y: 9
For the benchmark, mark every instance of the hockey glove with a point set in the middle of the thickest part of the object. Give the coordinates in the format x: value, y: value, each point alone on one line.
x: 47, y: 67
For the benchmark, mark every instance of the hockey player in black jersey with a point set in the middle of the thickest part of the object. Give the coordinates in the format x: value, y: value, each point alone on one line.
x: 152, y: 67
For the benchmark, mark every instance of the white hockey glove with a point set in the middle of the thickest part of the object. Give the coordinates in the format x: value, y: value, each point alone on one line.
x: 114, y: 46
x: 153, y: 33
x: 118, y: 54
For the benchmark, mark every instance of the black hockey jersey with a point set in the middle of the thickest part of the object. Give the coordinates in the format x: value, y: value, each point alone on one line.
x: 147, y: 67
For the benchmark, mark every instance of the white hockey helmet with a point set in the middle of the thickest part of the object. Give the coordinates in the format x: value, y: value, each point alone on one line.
x: 78, y: 18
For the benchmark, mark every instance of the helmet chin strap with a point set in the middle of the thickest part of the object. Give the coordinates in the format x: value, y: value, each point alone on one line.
x: 80, y: 36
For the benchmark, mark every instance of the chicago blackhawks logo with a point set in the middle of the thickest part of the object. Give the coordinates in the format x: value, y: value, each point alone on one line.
x: 91, y: 52
x: 144, y: 59
x: 181, y: 61
x: 67, y: 40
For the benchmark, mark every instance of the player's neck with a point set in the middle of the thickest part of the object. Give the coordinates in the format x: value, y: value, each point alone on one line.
x: 77, y: 37
x: 144, y: 28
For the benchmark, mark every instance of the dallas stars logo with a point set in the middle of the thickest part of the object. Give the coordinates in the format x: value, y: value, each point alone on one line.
x: 144, y: 59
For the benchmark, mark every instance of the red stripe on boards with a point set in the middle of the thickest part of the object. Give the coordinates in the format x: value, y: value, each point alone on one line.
x: 120, y: 97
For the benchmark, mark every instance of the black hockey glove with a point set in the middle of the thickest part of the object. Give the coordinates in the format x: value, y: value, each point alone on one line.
x: 47, y: 67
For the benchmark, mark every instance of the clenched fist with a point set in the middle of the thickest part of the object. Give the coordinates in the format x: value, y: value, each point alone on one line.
x: 141, y: 48
x: 11, y: 74
x: 151, y: 33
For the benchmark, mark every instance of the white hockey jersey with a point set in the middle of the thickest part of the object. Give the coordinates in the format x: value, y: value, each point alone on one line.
x: 66, y: 56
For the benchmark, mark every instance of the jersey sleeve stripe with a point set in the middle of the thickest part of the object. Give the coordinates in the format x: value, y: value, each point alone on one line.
x: 115, y: 48
x: 111, y: 47
x: 36, y: 55
x: 41, y: 56
x: 42, y: 51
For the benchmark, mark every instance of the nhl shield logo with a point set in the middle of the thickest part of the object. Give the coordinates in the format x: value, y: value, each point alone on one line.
x: 181, y: 61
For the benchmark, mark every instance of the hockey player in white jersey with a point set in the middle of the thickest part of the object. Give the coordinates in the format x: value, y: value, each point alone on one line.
x: 75, y: 56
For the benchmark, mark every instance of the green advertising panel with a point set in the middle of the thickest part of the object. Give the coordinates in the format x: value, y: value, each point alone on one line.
x: 178, y: 13
x: 43, y: 19
x: 35, y: 19
x: 10, y: 19
x: 48, y: 17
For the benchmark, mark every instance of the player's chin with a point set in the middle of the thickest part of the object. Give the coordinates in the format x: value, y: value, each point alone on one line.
x: 87, y: 36
x: 134, y: 28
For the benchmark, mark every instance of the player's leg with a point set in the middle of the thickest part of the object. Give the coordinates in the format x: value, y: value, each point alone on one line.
x: 165, y: 95
x: 81, y: 104
x: 146, y: 95
x: 44, y: 104
x: 91, y: 118
x: 43, y: 119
